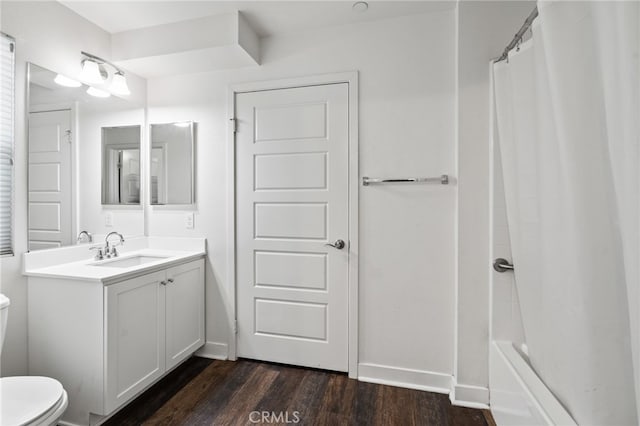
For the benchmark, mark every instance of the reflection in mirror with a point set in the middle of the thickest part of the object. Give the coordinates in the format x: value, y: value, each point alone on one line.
x: 64, y: 132
x: 172, y: 163
x: 50, y: 179
x: 121, y: 165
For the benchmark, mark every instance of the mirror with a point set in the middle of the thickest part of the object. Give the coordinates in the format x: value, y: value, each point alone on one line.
x: 121, y: 165
x: 65, y: 129
x: 172, y: 163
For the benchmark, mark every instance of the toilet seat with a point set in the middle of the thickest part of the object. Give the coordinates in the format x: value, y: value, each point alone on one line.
x: 31, y: 400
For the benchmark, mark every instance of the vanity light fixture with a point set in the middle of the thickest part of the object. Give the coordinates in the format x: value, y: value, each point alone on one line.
x: 98, y: 93
x: 95, y: 72
x: 65, y: 81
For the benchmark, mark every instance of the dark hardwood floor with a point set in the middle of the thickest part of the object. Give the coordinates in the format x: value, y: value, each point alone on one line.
x: 206, y: 392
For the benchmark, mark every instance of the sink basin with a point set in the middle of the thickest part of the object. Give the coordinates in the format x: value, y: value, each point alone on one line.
x: 130, y: 261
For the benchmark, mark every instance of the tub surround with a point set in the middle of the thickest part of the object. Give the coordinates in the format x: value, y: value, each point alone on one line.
x: 518, y: 396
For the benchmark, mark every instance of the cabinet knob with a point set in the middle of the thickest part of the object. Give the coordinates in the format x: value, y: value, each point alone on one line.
x: 170, y: 280
x: 163, y: 282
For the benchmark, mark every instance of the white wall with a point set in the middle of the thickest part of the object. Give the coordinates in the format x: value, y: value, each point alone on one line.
x: 52, y: 36
x: 407, y: 110
x: 484, y: 29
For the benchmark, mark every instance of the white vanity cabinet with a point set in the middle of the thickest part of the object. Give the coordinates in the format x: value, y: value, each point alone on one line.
x: 107, y: 341
x: 152, y: 323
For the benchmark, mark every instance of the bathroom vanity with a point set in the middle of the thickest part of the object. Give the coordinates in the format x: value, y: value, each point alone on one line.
x: 108, y: 329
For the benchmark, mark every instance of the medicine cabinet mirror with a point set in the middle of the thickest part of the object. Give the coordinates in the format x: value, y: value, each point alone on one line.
x: 172, y: 163
x: 121, y: 165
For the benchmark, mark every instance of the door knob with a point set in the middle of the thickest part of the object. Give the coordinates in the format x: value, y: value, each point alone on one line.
x: 339, y: 244
x: 502, y: 265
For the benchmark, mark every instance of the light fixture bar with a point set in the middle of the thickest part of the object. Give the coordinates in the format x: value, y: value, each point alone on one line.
x: 101, y: 61
x: 95, y: 72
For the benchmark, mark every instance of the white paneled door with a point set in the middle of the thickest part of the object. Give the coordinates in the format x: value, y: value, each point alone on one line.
x: 292, y: 196
x: 49, y: 179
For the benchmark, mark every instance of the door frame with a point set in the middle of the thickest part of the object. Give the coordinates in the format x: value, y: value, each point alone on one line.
x: 351, y: 78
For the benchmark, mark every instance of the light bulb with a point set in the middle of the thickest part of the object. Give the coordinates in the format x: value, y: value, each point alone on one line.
x: 66, y: 81
x: 182, y: 124
x: 91, y: 72
x: 119, y: 85
x: 98, y: 93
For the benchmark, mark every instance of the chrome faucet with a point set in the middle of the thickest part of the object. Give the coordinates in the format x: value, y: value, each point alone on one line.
x: 99, y: 255
x: 110, y: 250
x: 84, y: 235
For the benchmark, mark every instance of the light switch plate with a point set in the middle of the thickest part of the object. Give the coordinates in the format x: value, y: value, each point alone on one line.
x: 188, y: 220
x: 108, y: 219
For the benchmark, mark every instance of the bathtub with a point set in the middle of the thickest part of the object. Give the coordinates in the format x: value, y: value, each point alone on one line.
x: 517, y: 395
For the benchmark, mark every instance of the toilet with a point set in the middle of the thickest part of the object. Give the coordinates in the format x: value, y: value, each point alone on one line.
x: 28, y: 400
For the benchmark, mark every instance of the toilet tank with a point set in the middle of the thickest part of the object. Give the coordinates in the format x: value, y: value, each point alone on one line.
x: 4, y: 312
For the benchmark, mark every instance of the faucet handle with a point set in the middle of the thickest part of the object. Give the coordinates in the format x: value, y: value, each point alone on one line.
x: 99, y: 255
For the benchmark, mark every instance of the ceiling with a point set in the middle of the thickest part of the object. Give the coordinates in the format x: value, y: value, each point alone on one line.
x: 267, y: 18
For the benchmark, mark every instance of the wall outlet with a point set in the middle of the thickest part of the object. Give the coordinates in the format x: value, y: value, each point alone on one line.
x: 108, y: 219
x: 188, y: 220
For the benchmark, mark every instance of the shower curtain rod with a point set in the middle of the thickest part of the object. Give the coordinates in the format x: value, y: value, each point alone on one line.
x: 518, y: 37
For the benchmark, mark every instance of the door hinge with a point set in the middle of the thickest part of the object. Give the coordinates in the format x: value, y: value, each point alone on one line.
x: 68, y: 134
x: 235, y: 326
x: 234, y: 122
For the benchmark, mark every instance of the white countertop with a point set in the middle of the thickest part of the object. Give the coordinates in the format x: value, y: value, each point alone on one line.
x: 84, y: 267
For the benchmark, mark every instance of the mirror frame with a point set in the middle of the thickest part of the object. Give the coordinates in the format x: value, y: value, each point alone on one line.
x: 192, y: 134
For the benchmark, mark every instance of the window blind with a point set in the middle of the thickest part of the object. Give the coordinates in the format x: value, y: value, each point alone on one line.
x: 7, y: 93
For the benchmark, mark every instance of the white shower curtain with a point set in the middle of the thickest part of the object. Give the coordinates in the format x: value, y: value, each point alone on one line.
x: 567, y: 109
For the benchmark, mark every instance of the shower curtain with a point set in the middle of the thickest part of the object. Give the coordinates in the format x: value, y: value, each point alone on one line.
x: 567, y: 112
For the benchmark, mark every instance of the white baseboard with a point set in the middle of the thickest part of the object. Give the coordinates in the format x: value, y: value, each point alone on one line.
x: 214, y: 350
x: 404, y: 378
x: 469, y: 396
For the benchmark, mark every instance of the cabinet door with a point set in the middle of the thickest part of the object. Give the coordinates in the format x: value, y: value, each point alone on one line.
x: 185, y: 311
x: 135, y: 337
